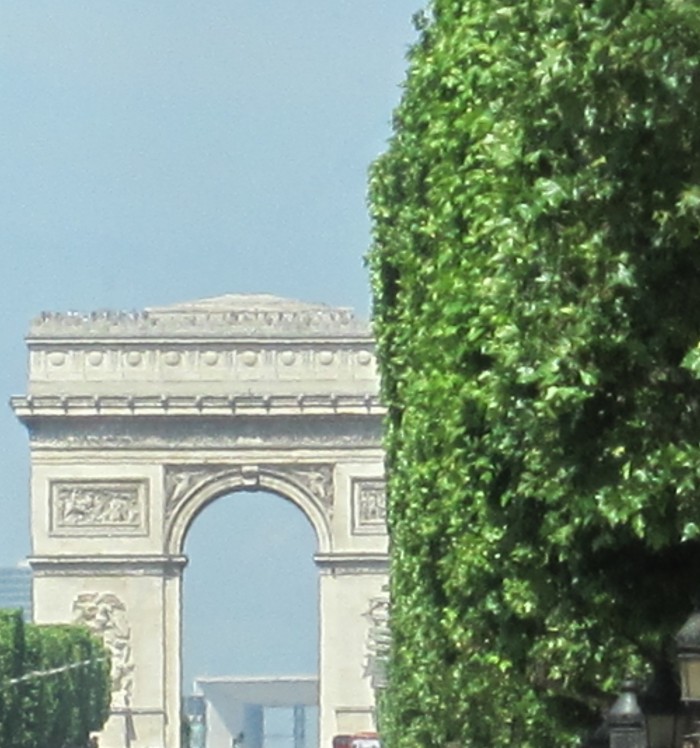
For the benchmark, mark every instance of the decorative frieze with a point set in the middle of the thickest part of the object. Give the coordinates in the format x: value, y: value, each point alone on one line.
x: 109, y: 508
x: 94, y: 363
x: 368, y: 506
x: 183, y: 481
x: 104, y: 614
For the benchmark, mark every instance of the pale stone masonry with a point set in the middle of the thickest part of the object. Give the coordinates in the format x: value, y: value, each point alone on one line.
x: 138, y: 421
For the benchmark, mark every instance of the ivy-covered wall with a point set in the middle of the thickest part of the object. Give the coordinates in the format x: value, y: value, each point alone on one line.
x: 536, y: 276
x: 54, y: 684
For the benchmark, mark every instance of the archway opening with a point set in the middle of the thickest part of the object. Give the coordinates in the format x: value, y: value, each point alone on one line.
x: 250, y: 623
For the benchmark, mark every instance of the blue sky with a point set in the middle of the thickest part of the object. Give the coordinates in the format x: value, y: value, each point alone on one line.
x: 156, y: 151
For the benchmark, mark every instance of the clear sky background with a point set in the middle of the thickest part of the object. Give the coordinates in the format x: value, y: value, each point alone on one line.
x: 158, y: 151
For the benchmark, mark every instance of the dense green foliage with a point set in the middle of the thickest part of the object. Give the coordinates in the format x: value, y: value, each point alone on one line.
x: 536, y: 271
x: 12, y: 657
x: 60, y: 709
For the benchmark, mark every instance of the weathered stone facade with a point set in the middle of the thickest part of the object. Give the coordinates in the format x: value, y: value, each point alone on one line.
x: 138, y: 421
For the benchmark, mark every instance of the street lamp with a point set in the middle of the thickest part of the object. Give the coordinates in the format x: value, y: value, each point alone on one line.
x: 626, y: 721
x: 688, y: 648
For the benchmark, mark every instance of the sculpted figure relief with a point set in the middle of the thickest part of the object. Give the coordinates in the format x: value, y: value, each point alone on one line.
x: 106, y: 505
x: 378, y: 642
x: 105, y: 615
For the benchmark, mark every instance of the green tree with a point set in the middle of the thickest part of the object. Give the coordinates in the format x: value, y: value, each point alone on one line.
x: 536, y: 276
x: 12, y: 660
x: 54, y: 684
x: 70, y: 704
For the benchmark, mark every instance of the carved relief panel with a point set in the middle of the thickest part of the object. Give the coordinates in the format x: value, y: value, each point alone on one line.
x: 368, y: 506
x: 98, y: 508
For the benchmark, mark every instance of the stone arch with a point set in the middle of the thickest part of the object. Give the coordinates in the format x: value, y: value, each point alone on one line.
x: 139, y: 420
x: 208, y: 484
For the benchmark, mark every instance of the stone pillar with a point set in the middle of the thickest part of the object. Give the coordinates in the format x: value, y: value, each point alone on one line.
x: 172, y: 646
x: 346, y: 696
x: 132, y: 604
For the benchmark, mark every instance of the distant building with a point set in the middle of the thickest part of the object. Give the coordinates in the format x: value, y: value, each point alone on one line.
x: 16, y: 589
x: 259, y: 712
x: 195, y: 713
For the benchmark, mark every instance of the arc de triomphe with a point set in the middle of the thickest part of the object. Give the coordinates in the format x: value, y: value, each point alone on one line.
x: 138, y: 421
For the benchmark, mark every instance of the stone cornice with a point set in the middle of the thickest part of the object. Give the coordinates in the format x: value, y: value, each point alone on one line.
x: 149, y: 565
x: 27, y: 406
x: 107, y: 565
x: 352, y: 563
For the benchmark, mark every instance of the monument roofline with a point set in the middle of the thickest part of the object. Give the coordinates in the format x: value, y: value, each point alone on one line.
x: 232, y: 316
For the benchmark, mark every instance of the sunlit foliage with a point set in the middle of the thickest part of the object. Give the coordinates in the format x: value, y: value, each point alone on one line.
x: 54, y: 684
x: 536, y: 275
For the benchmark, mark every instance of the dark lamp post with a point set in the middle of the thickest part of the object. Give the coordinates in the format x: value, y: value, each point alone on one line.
x: 688, y: 648
x: 626, y: 721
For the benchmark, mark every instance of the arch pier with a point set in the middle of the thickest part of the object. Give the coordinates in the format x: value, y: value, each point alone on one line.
x: 138, y: 421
